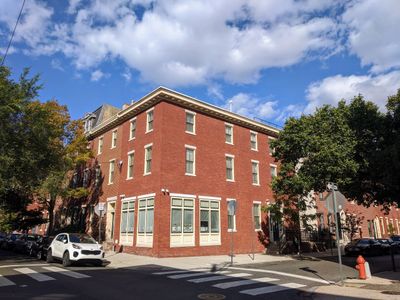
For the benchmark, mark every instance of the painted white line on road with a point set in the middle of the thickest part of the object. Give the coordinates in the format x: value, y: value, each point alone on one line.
x: 35, y: 275
x: 195, y: 274
x: 271, y: 289
x: 22, y: 265
x: 5, y: 282
x: 218, y: 277
x: 66, y: 272
x: 283, y: 274
x: 236, y: 283
x: 178, y: 272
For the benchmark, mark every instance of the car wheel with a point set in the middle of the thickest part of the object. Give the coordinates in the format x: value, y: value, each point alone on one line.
x: 66, y: 262
x: 49, y: 257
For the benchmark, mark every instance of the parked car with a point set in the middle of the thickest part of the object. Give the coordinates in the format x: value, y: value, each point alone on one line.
x: 24, y: 242
x: 40, y: 246
x: 3, y: 236
x: 385, y: 245
x: 395, y: 238
x: 9, y: 242
x: 74, y: 247
x: 363, y: 246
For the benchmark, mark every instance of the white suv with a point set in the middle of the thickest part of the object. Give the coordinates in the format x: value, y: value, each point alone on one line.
x: 73, y: 247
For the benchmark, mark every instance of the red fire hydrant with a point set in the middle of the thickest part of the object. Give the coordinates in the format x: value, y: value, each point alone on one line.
x: 361, y: 267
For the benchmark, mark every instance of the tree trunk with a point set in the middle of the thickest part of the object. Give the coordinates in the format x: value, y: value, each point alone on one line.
x: 51, y: 205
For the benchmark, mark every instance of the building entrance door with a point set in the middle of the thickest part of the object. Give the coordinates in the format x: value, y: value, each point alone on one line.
x: 110, y: 225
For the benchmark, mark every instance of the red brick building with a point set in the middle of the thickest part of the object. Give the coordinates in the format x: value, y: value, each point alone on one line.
x: 170, y: 164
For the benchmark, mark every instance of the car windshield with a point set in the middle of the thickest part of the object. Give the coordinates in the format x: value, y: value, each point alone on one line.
x: 81, y: 238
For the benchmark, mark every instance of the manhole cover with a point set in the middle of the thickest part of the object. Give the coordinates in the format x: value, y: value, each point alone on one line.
x: 211, y: 296
x: 391, y: 292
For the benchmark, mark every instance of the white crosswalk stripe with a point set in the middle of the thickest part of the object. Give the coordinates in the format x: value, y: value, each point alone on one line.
x: 178, y: 272
x: 236, y: 283
x: 34, y: 275
x: 66, y: 272
x: 271, y: 289
x: 195, y: 274
x: 218, y: 277
x: 5, y: 282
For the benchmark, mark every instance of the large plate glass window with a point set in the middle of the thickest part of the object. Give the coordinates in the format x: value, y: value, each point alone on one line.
x: 182, y: 222
x: 145, y: 222
x: 127, y: 222
x: 210, y: 233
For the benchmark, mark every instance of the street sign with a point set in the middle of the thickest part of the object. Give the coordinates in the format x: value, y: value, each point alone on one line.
x: 100, y: 209
x: 231, y: 208
x: 340, y: 201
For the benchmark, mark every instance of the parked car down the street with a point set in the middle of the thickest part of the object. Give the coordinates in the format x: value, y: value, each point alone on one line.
x: 40, y: 246
x: 24, y: 242
x: 385, y: 245
x: 75, y: 247
x: 9, y: 242
x: 364, y: 246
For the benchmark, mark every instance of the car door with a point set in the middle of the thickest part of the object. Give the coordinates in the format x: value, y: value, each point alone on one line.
x: 58, y: 241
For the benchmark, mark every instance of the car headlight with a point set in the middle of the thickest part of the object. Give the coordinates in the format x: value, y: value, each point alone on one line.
x: 75, y: 246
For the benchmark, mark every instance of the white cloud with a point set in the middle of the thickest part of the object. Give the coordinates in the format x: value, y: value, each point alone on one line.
x: 331, y: 90
x: 252, y: 107
x: 127, y: 75
x: 97, y: 75
x: 57, y: 64
x: 374, y: 33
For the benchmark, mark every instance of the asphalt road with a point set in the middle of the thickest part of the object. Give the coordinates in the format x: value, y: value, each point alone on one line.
x: 25, y: 278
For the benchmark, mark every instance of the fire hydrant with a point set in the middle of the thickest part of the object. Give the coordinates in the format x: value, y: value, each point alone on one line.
x: 361, y: 267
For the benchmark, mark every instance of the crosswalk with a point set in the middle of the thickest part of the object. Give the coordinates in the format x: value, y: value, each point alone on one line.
x: 229, y: 279
x: 39, y: 274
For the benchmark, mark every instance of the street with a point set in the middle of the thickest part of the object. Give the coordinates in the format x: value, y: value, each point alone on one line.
x: 25, y: 278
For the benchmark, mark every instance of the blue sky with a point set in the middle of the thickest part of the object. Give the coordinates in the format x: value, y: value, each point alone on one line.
x: 271, y: 58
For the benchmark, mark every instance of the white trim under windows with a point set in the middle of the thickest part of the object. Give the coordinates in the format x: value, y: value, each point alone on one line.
x: 149, y: 120
x: 253, y: 141
x: 100, y: 145
x: 131, y: 163
x: 255, y: 172
x: 230, y: 167
x: 114, y: 136
x: 257, y: 215
x: 127, y: 221
x: 210, y: 224
x: 271, y: 150
x: 190, y: 122
x: 145, y: 222
x: 182, y: 222
x: 274, y: 170
x: 148, y: 153
x: 229, y: 134
x: 132, y: 129
x: 111, y: 171
x: 231, y: 219
x: 190, y: 160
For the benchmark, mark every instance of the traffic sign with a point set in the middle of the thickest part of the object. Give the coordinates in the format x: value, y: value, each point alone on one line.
x: 100, y: 209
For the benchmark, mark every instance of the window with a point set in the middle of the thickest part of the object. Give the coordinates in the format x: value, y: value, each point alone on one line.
x: 149, y: 123
x: 209, y: 222
x: 114, y: 139
x: 145, y: 221
x: 132, y: 129
x: 257, y: 215
x: 190, y: 122
x: 254, y: 172
x: 182, y: 225
x: 127, y: 221
x: 231, y: 219
x: 271, y: 149
x: 230, y: 171
x: 131, y: 159
x: 253, y: 141
x: 229, y: 134
x: 274, y: 171
x: 190, y: 167
x: 111, y: 173
x: 100, y: 146
x: 147, y: 158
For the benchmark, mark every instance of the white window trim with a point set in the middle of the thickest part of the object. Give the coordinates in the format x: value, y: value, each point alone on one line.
x: 145, y: 234
x: 182, y: 195
x: 256, y: 134
x: 258, y: 172
x: 194, y: 121
x: 259, y: 203
x: 112, y: 199
x: 109, y: 171
x: 146, y: 196
x: 144, y: 167
x: 127, y: 167
x: 112, y: 139
x: 209, y: 198
x: 126, y: 235
x: 133, y: 198
x: 234, y: 216
x: 192, y: 197
x: 147, y: 120
x: 276, y: 169
x: 102, y: 145
x: 270, y: 138
x: 194, y: 160
x: 218, y: 243
x: 233, y: 167
x: 231, y: 126
x: 130, y: 129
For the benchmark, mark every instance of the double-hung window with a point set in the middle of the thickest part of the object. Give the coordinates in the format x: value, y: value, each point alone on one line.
x: 148, y: 152
x: 114, y: 139
x: 182, y: 222
x: 271, y: 149
x: 231, y: 218
x: 274, y: 170
x: 253, y: 141
x: 145, y: 222
x: 111, y: 172
x: 127, y: 221
x: 190, y: 122
x: 100, y: 146
x: 230, y: 167
x: 229, y: 134
x: 255, y: 172
x: 132, y: 129
x: 131, y: 161
x: 210, y: 233
x: 257, y: 215
x: 190, y: 160
x: 150, y: 119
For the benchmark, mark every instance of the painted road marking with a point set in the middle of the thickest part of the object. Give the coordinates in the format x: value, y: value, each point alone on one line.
x: 178, y: 272
x: 271, y: 289
x: 33, y: 274
x: 20, y: 265
x: 66, y: 272
x: 5, y: 282
x: 284, y: 274
x: 236, y: 283
x: 219, y: 277
x: 195, y: 274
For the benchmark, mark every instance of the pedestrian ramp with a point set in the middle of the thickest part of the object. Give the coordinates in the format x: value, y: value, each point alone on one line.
x: 245, y: 283
x: 39, y: 274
